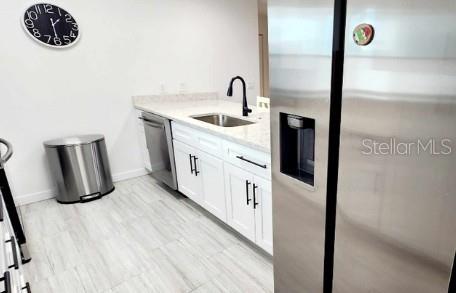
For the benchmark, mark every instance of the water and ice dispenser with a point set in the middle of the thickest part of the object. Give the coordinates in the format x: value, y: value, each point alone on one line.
x: 297, y: 147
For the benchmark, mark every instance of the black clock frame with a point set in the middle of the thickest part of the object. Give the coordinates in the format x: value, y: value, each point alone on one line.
x: 51, y: 25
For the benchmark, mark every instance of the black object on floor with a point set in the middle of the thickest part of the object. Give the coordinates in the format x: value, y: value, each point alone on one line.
x: 11, y: 207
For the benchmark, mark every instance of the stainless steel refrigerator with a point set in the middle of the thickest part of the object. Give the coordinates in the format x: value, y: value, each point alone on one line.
x: 363, y: 129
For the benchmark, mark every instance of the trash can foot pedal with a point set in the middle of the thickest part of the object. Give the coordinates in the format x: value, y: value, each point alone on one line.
x: 90, y: 197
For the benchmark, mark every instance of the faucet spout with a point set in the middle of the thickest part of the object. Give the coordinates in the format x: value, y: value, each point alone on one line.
x: 245, y: 108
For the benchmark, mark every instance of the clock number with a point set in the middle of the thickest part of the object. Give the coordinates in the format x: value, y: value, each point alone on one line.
x: 72, y: 35
x: 48, y: 8
x: 29, y: 23
x: 66, y: 40
x: 68, y: 18
x: 32, y: 15
x: 49, y: 38
x: 36, y: 33
x: 75, y: 26
x: 37, y: 9
x: 57, y: 41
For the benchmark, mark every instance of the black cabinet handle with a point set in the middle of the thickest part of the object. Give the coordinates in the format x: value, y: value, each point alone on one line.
x: 255, y: 203
x: 251, y: 162
x: 15, y: 259
x: 196, y: 166
x: 7, y: 280
x: 27, y: 287
x: 191, y: 163
x: 247, y: 184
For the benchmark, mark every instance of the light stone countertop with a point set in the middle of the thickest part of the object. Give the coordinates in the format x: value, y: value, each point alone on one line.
x: 179, y: 108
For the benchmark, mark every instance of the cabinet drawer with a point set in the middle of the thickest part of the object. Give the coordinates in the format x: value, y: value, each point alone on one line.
x: 256, y: 162
x: 206, y: 142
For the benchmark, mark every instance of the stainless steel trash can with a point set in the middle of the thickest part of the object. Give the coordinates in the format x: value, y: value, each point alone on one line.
x: 80, y: 168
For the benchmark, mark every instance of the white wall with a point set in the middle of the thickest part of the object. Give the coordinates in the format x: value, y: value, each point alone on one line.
x: 264, y: 46
x: 127, y: 47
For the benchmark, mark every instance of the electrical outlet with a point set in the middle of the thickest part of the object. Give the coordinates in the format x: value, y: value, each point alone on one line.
x: 182, y: 88
x: 162, y: 88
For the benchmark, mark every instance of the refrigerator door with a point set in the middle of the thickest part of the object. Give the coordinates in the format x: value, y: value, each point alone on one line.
x: 300, y: 40
x: 396, y: 219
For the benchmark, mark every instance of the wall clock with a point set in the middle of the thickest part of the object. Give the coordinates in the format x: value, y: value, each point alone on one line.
x: 51, y: 25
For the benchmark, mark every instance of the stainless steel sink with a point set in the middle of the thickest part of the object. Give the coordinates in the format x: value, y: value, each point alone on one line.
x: 222, y: 120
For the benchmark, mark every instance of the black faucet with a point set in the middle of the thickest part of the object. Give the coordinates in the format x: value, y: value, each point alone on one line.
x: 245, y: 107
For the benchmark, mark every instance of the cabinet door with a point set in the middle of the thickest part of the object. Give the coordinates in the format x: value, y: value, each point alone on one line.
x: 239, y: 196
x: 263, y: 213
x: 210, y: 170
x: 187, y: 181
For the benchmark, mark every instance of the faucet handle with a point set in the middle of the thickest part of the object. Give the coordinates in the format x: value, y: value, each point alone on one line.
x: 246, y: 111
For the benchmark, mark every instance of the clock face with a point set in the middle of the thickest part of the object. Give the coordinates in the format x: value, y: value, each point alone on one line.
x: 51, y: 25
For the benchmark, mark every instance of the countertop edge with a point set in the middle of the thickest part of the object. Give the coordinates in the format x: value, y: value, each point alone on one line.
x: 210, y: 131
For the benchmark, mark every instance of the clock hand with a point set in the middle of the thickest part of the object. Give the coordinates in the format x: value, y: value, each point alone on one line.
x: 53, y: 26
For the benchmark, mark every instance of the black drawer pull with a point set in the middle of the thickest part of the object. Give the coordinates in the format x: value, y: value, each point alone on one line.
x: 27, y: 287
x: 255, y: 203
x: 196, y: 166
x: 191, y: 163
x: 15, y: 259
x: 7, y: 280
x: 247, y: 184
x: 251, y: 162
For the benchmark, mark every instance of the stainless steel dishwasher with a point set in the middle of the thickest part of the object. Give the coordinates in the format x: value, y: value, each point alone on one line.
x: 160, y: 145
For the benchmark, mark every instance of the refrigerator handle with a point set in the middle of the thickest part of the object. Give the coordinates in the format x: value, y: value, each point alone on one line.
x: 452, y: 287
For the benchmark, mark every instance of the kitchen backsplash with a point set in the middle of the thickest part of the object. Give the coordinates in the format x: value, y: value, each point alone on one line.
x: 176, y: 97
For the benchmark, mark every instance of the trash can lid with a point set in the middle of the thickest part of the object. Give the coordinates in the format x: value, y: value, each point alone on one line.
x: 74, y: 140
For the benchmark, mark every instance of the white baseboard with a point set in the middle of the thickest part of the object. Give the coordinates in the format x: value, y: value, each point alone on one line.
x: 48, y: 194
x: 34, y: 197
x: 129, y: 174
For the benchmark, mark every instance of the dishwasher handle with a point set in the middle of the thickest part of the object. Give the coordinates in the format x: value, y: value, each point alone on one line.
x: 8, y: 154
x: 151, y: 123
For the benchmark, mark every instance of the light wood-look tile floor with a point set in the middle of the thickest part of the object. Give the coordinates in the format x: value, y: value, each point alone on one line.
x: 140, y: 238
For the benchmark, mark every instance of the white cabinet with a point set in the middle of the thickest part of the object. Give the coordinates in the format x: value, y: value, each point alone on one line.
x: 187, y: 180
x: 249, y: 205
x: 229, y: 180
x: 210, y: 144
x: 256, y: 162
x: 200, y: 177
x: 211, y: 172
x: 263, y: 213
x: 239, y: 201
